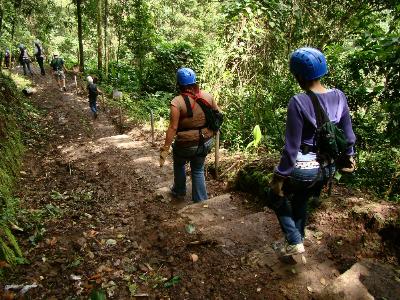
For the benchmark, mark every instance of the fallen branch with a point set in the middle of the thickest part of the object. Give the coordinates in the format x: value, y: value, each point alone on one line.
x: 230, y: 168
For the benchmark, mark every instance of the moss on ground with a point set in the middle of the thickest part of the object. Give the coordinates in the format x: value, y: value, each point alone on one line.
x: 15, y: 120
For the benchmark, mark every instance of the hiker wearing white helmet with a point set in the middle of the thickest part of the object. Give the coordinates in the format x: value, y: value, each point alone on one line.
x: 93, y: 91
x: 58, y: 67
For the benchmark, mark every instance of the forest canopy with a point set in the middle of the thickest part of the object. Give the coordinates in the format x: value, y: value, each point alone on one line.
x: 240, y: 50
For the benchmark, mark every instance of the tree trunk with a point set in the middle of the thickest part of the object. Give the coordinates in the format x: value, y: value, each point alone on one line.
x: 106, y: 46
x: 1, y: 19
x: 80, y: 34
x: 99, y: 37
x: 17, y: 6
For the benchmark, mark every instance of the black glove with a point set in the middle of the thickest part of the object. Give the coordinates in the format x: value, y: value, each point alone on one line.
x: 277, y: 184
x: 346, y: 164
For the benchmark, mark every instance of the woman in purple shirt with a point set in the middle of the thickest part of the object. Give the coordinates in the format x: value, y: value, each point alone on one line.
x: 299, y: 176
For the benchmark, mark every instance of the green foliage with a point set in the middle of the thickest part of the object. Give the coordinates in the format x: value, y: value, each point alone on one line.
x: 166, y: 58
x: 172, y: 282
x: 257, y: 137
x: 255, y: 177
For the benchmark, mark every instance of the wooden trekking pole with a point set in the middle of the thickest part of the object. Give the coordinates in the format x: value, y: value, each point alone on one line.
x: 152, y: 127
x: 120, y: 114
x: 216, y: 163
x: 103, y: 105
x: 76, y: 84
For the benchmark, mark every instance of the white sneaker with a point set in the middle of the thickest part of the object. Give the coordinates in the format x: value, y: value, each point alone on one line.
x: 288, y: 250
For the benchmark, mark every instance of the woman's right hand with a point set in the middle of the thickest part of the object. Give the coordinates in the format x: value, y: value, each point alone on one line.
x: 277, y: 184
x: 163, y: 154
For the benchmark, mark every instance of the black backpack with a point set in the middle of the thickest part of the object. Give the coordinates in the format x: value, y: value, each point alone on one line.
x: 214, y: 118
x: 39, y: 52
x: 330, y: 141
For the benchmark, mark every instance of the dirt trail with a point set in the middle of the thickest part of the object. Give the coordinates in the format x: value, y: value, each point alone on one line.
x: 109, y: 225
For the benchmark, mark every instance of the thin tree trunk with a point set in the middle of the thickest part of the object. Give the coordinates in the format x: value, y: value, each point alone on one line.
x: 80, y: 35
x: 1, y: 19
x: 99, y: 37
x: 106, y: 46
x: 17, y: 5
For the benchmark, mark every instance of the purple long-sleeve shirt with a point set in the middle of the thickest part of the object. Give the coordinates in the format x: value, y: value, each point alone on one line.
x: 301, y: 125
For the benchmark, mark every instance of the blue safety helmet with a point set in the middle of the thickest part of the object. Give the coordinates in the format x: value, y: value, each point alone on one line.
x: 21, y: 46
x: 185, y: 76
x: 308, y: 63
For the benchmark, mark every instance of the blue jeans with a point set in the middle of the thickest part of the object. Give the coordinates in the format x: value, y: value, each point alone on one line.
x: 26, y: 65
x: 93, y: 105
x: 196, y: 159
x: 301, y: 185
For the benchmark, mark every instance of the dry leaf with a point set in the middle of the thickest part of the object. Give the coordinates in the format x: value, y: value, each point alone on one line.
x: 194, y: 257
x: 323, y: 281
x: 52, y: 241
x: 4, y: 264
x: 303, y: 259
x: 309, y: 288
x: 149, y: 267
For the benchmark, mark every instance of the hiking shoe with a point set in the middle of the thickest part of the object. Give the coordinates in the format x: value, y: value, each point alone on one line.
x: 176, y: 195
x: 289, y: 250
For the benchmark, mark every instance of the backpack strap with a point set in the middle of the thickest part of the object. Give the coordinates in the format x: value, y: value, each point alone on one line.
x: 203, y: 104
x: 320, y: 114
x: 189, y: 110
x: 39, y: 53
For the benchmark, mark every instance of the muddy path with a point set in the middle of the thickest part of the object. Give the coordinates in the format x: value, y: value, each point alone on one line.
x: 98, y: 218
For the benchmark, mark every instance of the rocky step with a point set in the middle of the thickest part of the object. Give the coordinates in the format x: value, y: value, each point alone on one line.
x: 364, y: 280
x: 216, y: 210
x: 250, y: 235
x: 163, y: 192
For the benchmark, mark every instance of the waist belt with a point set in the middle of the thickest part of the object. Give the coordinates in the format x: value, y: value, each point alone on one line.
x: 305, y: 149
x: 307, y: 165
x: 192, y: 128
x: 184, y: 144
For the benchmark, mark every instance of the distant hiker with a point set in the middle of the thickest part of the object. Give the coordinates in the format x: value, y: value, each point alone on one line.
x: 307, y: 163
x: 24, y: 59
x: 193, y: 136
x: 58, y: 67
x: 39, y: 56
x: 7, y: 59
x: 94, y: 91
